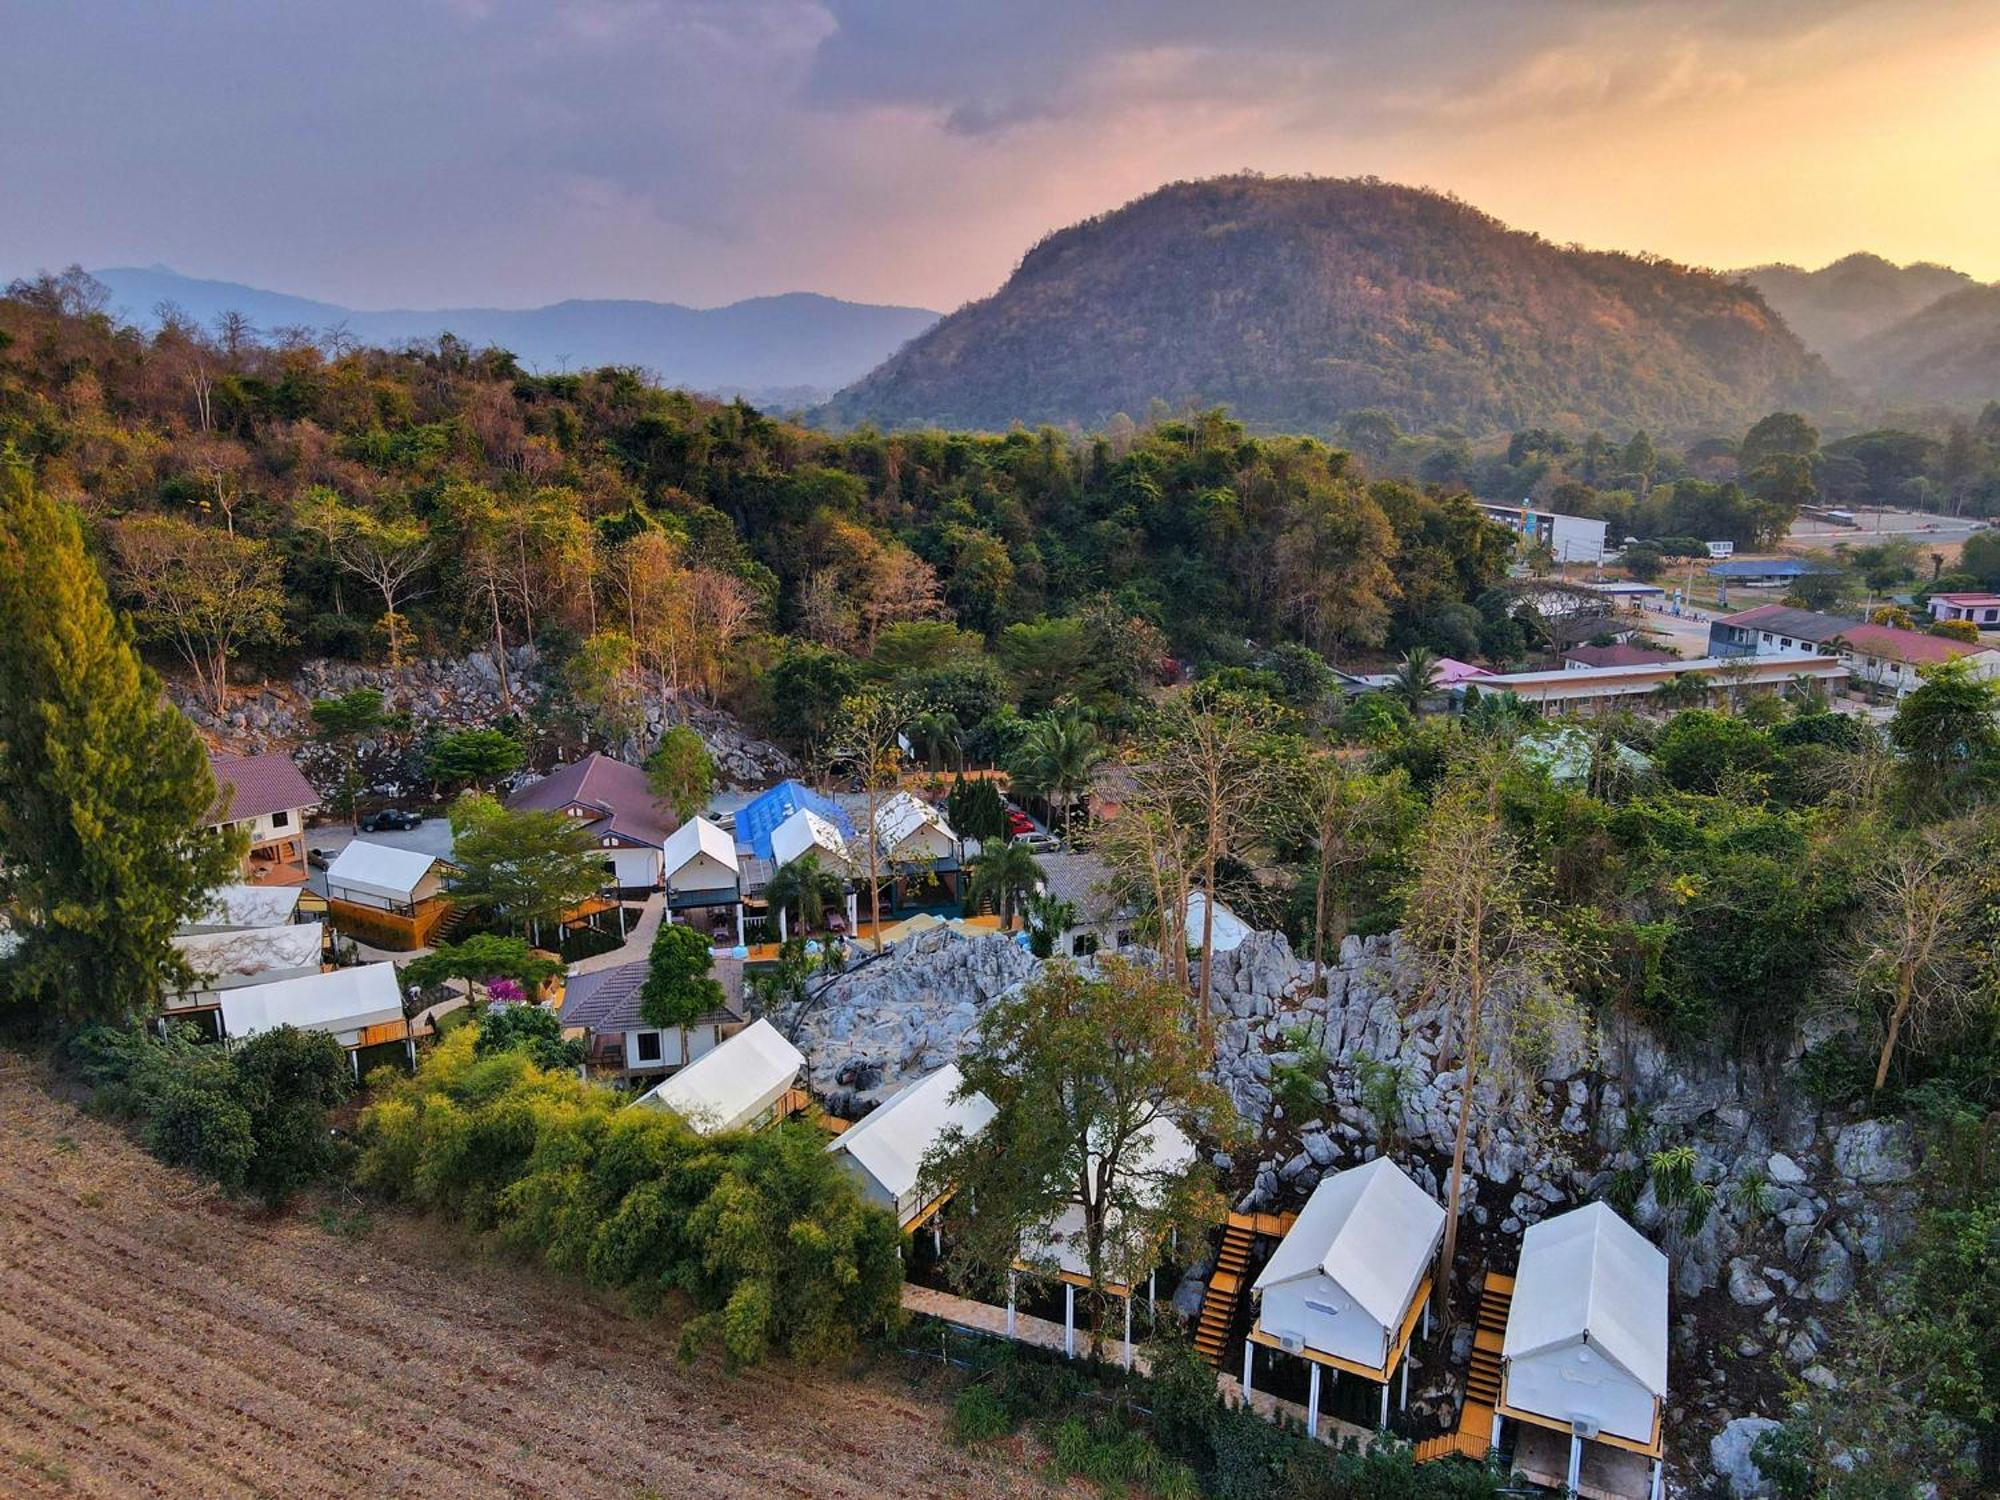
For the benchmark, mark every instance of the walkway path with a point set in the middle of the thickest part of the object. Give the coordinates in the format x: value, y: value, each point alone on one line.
x: 638, y: 942
x: 984, y: 1317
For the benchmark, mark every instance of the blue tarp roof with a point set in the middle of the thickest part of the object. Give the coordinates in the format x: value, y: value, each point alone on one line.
x: 759, y: 818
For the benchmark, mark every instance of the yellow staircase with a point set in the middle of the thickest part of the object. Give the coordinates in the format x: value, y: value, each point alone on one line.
x: 1474, y: 1435
x: 1225, y: 1290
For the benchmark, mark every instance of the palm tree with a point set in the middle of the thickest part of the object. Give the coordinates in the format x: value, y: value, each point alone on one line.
x: 808, y: 888
x: 937, y: 733
x: 1685, y: 690
x: 1056, y: 758
x: 1047, y: 918
x: 1007, y: 873
x: 1500, y: 715
x: 1415, y: 677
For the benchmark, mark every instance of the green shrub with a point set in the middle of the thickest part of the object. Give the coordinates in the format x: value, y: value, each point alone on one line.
x: 204, y: 1128
x: 979, y: 1416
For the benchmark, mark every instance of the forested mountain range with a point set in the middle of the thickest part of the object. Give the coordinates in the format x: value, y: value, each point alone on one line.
x: 1839, y: 306
x: 1947, y: 353
x: 1294, y: 301
x: 782, y: 351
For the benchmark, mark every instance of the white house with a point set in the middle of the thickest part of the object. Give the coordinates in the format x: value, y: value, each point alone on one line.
x: 267, y: 799
x: 919, y: 847
x: 1585, y: 1353
x: 241, y: 956
x: 616, y: 803
x: 606, y: 1004
x: 1347, y: 1284
x: 884, y: 1151
x: 1570, y: 539
x: 385, y: 877
x: 1982, y: 610
x: 744, y: 1084
x: 235, y: 906
x: 359, y: 1007
x: 806, y: 832
x: 702, y: 875
x: 1893, y: 660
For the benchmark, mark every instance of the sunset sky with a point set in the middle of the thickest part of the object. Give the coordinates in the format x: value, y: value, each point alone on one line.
x: 425, y: 152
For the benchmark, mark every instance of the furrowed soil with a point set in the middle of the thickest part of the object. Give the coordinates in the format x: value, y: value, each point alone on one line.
x: 157, y: 1339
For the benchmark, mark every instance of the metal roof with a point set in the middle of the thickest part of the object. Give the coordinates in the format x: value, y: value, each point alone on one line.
x: 239, y: 952
x: 761, y: 816
x: 1588, y: 1276
x: 254, y: 786
x: 904, y: 815
x: 890, y: 1142
x: 247, y: 906
x: 608, y: 999
x: 1371, y: 1231
x: 618, y: 793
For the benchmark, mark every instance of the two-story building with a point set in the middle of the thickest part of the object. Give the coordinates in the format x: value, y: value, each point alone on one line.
x: 1775, y: 630
x: 1982, y: 610
x: 616, y: 803
x: 269, y: 799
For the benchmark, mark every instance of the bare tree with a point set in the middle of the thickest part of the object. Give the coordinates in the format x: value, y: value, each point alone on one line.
x: 1913, y: 957
x: 391, y: 557
x: 868, y: 735
x: 1496, y: 967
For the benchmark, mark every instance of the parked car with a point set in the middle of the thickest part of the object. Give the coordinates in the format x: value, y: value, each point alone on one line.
x: 391, y: 820
x: 318, y: 859
x: 1019, y: 823
x: 1040, y: 843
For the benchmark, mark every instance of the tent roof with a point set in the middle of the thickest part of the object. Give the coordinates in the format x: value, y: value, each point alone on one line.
x: 1371, y: 1231
x: 1588, y: 1275
x: 339, y: 1000
x: 1230, y: 929
x: 807, y: 830
x: 699, y: 836
x: 890, y: 1142
x: 381, y: 869
x: 903, y: 815
x: 248, y: 906
x: 760, y: 817
x: 719, y: 1087
x: 251, y: 950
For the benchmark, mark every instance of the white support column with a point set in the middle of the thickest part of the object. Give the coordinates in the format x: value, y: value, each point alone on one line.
x: 853, y: 911
x: 1069, y: 1320
x: 354, y: 1061
x: 1011, y: 1279
x: 739, y: 921
x: 1312, y: 1400
x: 937, y: 1239
x: 1659, y: 1476
x: 1152, y: 1295
x: 783, y: 933
x: 1575, y: 1461
x: 410, y: 1049
x: 1427, y: 1317
x: 1383, y: 1424
x: 1496, y: 1433
x: 1128, y: 1330
x: 1404, y: 1403
x: 1249, y: 1353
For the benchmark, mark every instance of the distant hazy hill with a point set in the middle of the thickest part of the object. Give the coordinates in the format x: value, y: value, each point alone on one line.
x: 1292, y: 301
x: 1949, y: 352
x: 789, y: 350
x: 1839, y: 305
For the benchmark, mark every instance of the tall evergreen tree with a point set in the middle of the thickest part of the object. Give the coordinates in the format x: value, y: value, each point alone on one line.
x: 104, y: 785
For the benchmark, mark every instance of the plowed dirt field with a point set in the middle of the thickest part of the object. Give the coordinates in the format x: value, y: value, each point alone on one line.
x: 158, y: 1340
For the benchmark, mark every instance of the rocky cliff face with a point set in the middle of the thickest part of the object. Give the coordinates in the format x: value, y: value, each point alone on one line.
x: 1804, y: 1205
x: 447, y: 693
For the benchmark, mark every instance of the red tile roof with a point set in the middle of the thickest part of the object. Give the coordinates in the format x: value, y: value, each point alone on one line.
x: 1618, y: 654
x: 1912, y: 646
x: 616, y: 792
x: 253, y: 786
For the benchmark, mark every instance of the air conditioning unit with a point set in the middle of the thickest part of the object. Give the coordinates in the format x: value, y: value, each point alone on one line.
x: 1292, y: 1343
x: 1584, y: 1428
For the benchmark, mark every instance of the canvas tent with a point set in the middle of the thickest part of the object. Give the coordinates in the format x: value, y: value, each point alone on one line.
x: 357, y: 1007
x: 909, y: 830
x: 383, y: 876
x: 1347, y: 1283
x: 246, y: 955
x: 1585, y: 1351
x: 741, y: 1085
x: 1230, y: 929
x: 885, y: 1149
x: 233, y: 906
x: 804, y: 832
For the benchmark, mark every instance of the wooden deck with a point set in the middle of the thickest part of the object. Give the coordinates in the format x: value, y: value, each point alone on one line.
x: 984, y: 1317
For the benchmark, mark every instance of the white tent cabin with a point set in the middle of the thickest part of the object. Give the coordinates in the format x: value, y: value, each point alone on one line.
x: 1161, y: 1152
x: 359, y: 1008
x: 1585, y: 1354
x: 884, y: 1150
x: 241, y: 906
x: 385, y: 877
x: 807, y: 832
x: 1348, y: 1283
x: 743, y: 1084
x: 702, y: 874
x: 230, y: 959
